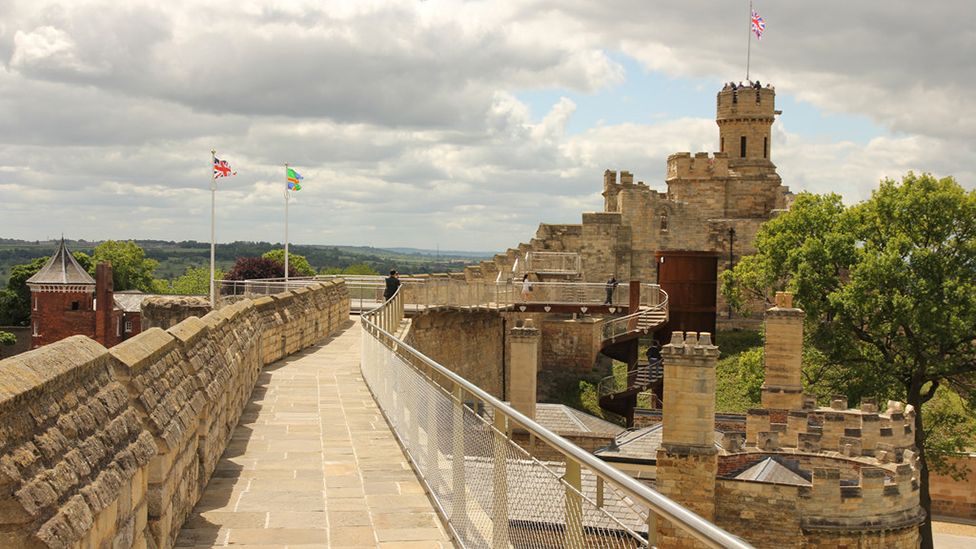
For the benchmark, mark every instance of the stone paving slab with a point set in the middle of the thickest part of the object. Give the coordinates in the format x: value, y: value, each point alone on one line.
x: 313, y: 464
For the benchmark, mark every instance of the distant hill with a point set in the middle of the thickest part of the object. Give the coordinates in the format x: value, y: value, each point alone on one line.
x: 175, y: 257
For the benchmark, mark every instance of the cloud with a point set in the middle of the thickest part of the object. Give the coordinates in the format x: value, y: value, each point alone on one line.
x: 405, y: 119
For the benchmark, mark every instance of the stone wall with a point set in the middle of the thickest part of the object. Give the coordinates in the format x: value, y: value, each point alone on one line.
x: 879, y: 510
x: 470, y: 343
x: 570, y: 346
x: 74, y: 455
x: 113, y: 447
x: 165, y: 311
x: 955, y: 498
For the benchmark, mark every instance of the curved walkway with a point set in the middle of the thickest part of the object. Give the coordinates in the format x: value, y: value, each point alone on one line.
x: 314, y: 464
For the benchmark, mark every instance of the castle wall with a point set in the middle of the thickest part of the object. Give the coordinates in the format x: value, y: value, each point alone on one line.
x: 766, y: 514
x: 570, y: 346
x: 955, y: 498
x: 470, y: 343
x: 165, y: 312
x: 116, y: 445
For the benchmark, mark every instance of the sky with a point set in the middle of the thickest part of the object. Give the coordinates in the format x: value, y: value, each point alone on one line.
x: 438, y: 123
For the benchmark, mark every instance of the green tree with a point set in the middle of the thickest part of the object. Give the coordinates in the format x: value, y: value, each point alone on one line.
x: 354, y: 269
x: 296, y: 263
x: 195, y: 281
x: 131, y: 269
x: 6, y: 340
x: 20, y: 306
x: 889, y: 288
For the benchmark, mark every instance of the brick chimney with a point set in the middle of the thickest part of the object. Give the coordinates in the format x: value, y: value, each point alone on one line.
x: 104, y: 304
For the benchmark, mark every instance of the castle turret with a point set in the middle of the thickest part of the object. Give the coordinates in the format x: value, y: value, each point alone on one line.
x: 745, y: 118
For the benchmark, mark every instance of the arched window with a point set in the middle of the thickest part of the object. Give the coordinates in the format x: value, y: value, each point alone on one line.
x: 664, y: 221
x: 742, y: 147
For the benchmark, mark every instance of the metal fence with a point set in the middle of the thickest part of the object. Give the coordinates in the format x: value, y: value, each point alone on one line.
x: 491, y: 492
x: 567, y: 263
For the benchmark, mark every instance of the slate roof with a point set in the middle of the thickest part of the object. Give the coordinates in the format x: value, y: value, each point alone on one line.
x: 773, y: 470
x: 642, y: 444
x: 62, y: 268
x: 535, y: 496
x: 561, y: 418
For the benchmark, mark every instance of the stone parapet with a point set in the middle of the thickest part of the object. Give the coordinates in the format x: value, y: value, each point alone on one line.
x: 110, y: 448
x: 73, y: 453
x: 700, y: 166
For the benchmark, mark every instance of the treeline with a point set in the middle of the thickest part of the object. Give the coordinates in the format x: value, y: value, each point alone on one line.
x: 175, y: 258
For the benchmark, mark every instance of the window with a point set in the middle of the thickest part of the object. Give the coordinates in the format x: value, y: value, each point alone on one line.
x: 35, y: 302
x: 721, y: 144
x: 765, y: 147
x: 742, y: 147
x: 128, y: 326
x: 36, y: 331
x: 75, y: 305
x: 118, y: 328
x: 664, y: 222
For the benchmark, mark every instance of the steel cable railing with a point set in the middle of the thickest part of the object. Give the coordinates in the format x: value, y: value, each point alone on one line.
x: 490, y: 491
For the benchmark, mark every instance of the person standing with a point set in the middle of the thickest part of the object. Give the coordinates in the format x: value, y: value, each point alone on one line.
x: 526, y: 288
x: 611, y: 286
x: 392, y: 284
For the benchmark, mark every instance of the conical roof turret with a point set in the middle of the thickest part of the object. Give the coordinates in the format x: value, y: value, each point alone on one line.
x: 62, y: 269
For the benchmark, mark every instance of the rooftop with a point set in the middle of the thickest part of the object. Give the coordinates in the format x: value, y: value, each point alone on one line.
x: 62, y: 268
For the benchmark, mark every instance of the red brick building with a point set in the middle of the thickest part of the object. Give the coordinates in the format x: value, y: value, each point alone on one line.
x: 67, y: 301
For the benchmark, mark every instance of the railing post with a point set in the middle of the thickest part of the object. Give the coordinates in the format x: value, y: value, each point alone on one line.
x: 574, y: 505
x: 459, y: 489
x: 499, y: 508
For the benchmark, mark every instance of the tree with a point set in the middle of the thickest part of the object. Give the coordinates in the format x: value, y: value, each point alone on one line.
x: 195, y: 281
x: 20, y: 306
x: 252, y: 268
x: 889, y: 288
x: 354, y: 269
x: 131, y: 270
x: 298, y: 263
x: 6, y: 340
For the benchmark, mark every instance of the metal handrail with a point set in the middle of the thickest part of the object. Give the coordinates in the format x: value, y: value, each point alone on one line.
x: 613, y: 328
x: 377, y: 324
x: 610, y: 384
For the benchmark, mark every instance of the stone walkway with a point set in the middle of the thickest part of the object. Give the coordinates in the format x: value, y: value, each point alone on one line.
x: 314, y: 464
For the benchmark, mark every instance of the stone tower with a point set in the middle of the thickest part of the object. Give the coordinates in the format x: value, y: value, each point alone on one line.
x: 745, y: 117
x: 687, y: 461
x: 61, y: 300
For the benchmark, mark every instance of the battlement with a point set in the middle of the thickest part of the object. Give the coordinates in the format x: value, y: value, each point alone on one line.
x: 701, y: 166
x: 881, y: 499
x: 888, y: 437
x: 746, y: 103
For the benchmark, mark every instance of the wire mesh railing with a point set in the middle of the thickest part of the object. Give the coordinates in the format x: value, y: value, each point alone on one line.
x: 561, y: 263
x: 491, y: 492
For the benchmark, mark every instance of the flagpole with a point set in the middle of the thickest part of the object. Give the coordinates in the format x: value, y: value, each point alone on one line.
x: 286, y: 223
x: 749, y: 47
x: 213, y: 209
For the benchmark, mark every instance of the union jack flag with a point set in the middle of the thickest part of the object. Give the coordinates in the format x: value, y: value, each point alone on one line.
x: 758, y: 24
x: 222, y: 168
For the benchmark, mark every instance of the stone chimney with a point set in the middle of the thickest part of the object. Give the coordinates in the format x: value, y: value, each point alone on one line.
x: 783, y: 386
x: 524, y: 365
x: 687, y: 461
